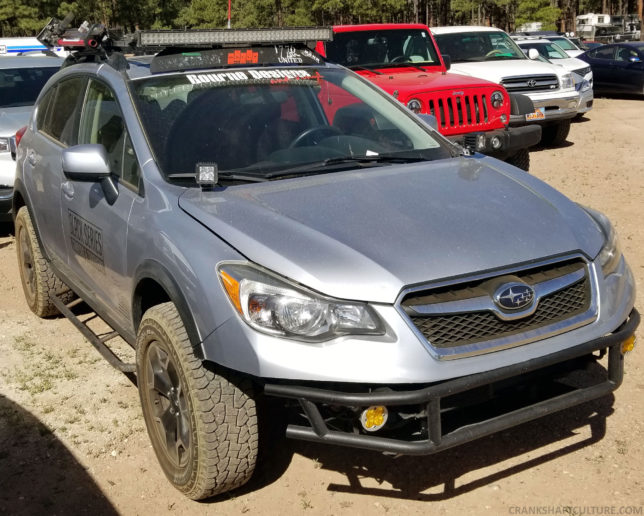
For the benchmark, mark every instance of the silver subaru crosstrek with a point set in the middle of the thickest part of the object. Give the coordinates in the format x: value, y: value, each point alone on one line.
x: 258, y: 223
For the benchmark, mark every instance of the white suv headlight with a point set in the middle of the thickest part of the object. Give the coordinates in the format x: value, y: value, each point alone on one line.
x: 567, y: 82
x: 276, y: 306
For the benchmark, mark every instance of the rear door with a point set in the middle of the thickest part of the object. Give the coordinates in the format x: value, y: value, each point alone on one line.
x: 96, y: 229
x: 57, y: 117
x: 601, y: 61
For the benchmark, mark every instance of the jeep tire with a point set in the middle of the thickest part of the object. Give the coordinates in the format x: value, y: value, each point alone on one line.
x: 555, y: 134
x: 39, y: 281
x: 202, y: 423
x: 520, y: 160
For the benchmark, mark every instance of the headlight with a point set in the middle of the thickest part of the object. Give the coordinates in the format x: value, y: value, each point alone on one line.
x: 4, y: 144
x: 415, y: 105
x: 567, y: 82
x: 611, y: 253
x: 274, y: 305
x: 497, y: 99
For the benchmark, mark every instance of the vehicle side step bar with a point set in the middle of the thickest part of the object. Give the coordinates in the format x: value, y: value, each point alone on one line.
x: 95, y: 340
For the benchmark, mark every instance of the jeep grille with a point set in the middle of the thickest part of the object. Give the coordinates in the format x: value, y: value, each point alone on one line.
x: 455, y: 331
x: 530, y: 83
x: 458, y: 112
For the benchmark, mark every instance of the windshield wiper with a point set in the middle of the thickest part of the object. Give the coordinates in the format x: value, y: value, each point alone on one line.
x: 222, y: 175
x: 405, y: 65
x: 366, y: 67
x: 336, y: 164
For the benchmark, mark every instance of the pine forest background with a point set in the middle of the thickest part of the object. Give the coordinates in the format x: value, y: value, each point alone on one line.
x: 27, y: 17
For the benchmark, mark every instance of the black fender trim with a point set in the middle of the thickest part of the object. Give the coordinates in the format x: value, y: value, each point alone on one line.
x: 153, y: 270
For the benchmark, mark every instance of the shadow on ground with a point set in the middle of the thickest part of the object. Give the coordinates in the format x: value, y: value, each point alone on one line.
x: 412, y: 477
x: 38, y: 475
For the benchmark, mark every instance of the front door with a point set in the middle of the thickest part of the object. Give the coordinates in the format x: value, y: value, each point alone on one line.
x: 96, y: 229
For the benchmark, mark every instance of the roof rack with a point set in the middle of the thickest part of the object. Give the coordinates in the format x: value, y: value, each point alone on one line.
x: 94, y: 42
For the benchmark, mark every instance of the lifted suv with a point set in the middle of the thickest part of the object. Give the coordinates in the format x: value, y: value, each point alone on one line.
x: 403, y: 60
x: 259, y: 223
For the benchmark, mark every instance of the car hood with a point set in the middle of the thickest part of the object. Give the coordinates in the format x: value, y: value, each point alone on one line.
x: 13, y: 118
x: 367, y: 234
x: 409, y: 81
x: 496, y: 71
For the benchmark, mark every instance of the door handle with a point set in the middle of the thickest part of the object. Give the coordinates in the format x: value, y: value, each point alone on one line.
x: 68, y: 189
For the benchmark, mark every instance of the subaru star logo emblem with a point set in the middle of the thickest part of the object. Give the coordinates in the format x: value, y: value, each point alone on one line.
x: 514, y: 296
x: 532, y: 83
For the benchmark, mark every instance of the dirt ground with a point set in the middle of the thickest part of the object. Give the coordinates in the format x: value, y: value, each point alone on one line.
x: 72, y: 438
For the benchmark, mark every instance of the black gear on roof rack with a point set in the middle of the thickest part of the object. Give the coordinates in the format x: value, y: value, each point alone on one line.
x: 91, y: 43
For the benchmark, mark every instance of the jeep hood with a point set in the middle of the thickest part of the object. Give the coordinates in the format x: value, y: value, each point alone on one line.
x: 366, y: 234
x: 410, y: 81
x: 496, y: 71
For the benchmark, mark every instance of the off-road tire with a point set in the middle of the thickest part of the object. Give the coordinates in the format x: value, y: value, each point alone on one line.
x: 520, y: 160
x: 39, y: 282
x: 555, y: 134
x: 215, y: 412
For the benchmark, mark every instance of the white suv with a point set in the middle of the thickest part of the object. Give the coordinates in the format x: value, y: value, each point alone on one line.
x: 546, y: 50
x: 21, y: 79
x: 489, y: 53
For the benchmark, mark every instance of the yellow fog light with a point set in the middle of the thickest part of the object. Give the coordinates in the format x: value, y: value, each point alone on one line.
x: 628, y: 344
x: 374, y: 418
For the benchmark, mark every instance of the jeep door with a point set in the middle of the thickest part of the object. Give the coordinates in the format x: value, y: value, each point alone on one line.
x: 95, y: 226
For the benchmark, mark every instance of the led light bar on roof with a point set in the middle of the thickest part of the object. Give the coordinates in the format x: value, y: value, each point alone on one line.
x: 168, y: 38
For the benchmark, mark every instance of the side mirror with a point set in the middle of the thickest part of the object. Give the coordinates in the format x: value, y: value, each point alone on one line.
x: 89, y: 162
x: 430, y: 120
x: 533, y: 53
x: 86, y: 162
x: 447, y: 60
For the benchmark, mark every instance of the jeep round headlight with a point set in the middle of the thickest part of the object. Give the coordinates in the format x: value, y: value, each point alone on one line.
x: 276, y: 306
x: 415, y: 105
x: 497, y: 99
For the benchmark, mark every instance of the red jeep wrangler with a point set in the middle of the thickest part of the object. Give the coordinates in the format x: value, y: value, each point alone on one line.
x: 403, y: 59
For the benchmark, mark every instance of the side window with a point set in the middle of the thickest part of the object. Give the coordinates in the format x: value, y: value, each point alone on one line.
x: 43, y: 107
x: 604, y: 53
x: 102, y: 123
x: 61, y: 119
x: 625, y: 54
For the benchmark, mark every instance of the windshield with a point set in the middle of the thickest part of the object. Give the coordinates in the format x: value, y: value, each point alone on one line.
x: 564, y: 43
x: 21, y: 86
x: 478, y: 46
x: 378, y: 47
x: 547, y: 50
x: 261, y: 121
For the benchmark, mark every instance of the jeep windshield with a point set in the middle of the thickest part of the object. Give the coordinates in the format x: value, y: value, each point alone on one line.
x: 466, y: 47
x: 373, y: 48
x: 259, y: 124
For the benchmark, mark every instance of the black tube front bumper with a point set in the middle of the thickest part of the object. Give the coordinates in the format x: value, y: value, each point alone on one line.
x: 431, y: 397
x: 501, y: 143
